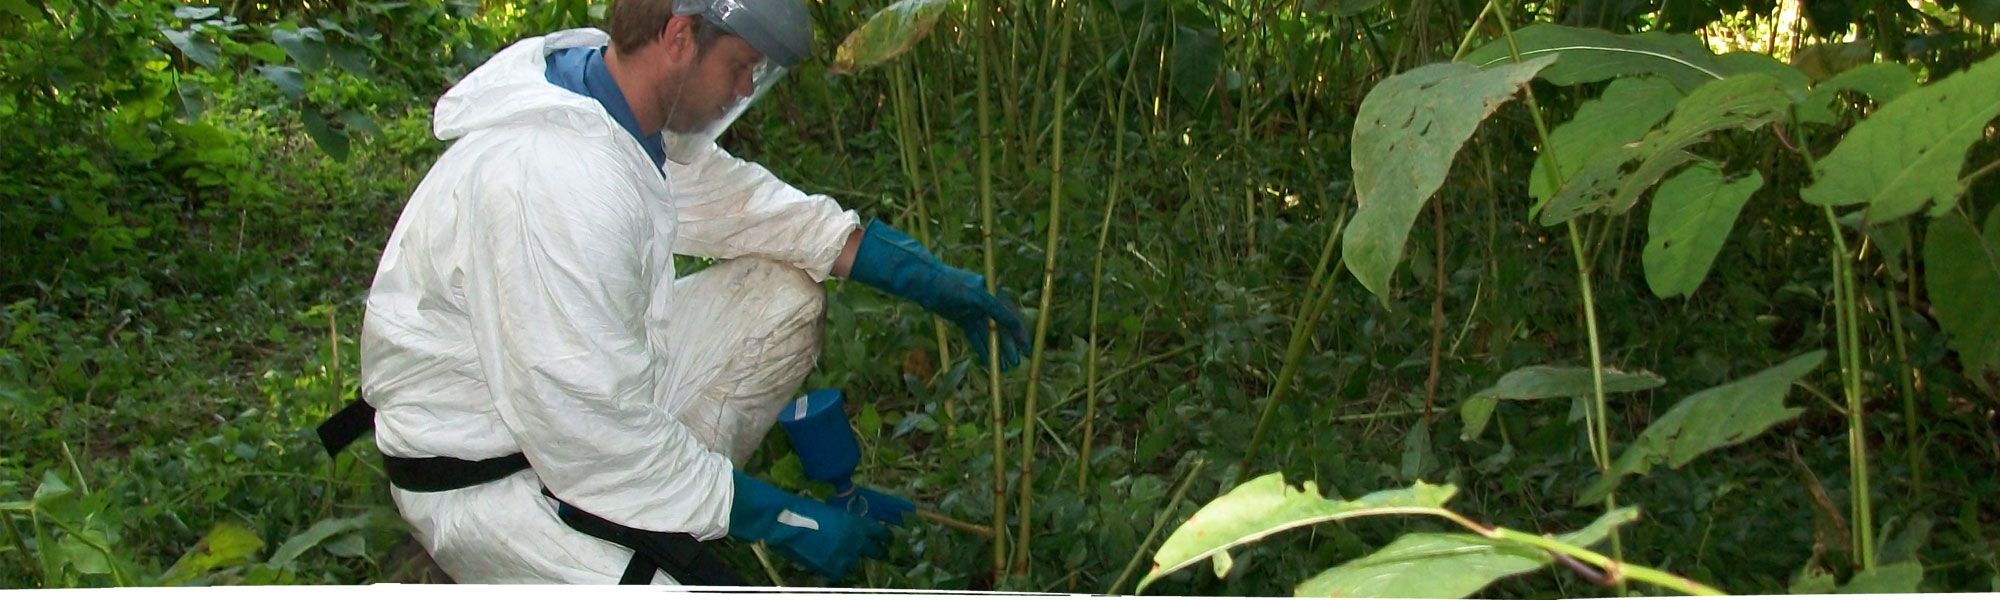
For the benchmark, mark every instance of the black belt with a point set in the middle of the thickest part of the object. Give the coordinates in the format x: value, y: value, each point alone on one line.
x: 680, y: 555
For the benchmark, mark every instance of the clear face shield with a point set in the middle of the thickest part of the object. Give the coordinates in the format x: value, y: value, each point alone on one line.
x: 684, y: 147
x: 777, y: 29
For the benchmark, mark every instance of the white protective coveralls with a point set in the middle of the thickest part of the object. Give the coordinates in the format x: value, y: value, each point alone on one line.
x: 527, y: 303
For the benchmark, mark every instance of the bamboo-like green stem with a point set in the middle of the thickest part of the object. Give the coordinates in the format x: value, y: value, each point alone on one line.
x: 1908, y: 389
x: 769, y: 569
x: 1097, y: 267
x: 1601, y: 432
x: 1318, y: 292
x: 1619, y: 571
x: 998, y: 418
x: 1847, y: 337
x: 907, y: 142
x: 20, y: 542
x: 1159, y: 522
x: 1051, y: 251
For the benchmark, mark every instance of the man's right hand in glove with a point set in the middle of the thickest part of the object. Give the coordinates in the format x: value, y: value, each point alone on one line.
x: 826, y: 540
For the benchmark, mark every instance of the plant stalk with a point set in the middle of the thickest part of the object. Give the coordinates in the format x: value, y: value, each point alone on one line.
x: 998, y: 416
x: 1318, y: 292
x: 1159, y: 522
x: 1051, y: 251
x: 1097, y: 268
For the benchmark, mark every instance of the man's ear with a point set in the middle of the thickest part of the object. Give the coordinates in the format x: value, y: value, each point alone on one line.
x: 678, y: 38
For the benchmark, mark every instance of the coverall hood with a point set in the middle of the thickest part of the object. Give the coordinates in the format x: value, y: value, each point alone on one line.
x: 510, y: 89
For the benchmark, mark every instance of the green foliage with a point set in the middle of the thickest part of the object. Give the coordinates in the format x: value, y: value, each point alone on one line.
x: 1406, y: 134
x: 1595, y: 55
x: 1909, y: 153
x: 1267, y: 505
x: 1545, y: 382
x: 1611, y: 182
x: 1963, y: 279
x: 1446, y: 565
x: 887, y: 34
x: 1692, y: 216
x: 1714, y: 418
x: 1629, y: 108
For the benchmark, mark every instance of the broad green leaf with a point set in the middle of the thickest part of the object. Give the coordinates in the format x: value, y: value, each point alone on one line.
x: 332, y: 141
x: 354, y: 60
x: 53, y: 487
x: 267, y: 52
x: 1612, y: 182
x: 1408, y: 129
x: 1826, y: 61
x: 21, y: 8
x: 1445, y: 565
x: 1790, y: 78
x: 196, y: 13
x: 1899, y: 578
x: 195, y: 49
x: 1543, y: 382
x: 1812, y: 580
x: 1629, y: 108
x: 1963, y: 279
x: 887, y: 34
x: 80, y: 555
x: 304, y: 44
x: 226, y: 545
x: 297, y: 546
x: 1909, y: 153
x: 1882, y: 82
x: 1266, y: 505
x: 1714, y: 418
x: 1692, y: 215
x: 289, y: 80
x: 1596, y: 55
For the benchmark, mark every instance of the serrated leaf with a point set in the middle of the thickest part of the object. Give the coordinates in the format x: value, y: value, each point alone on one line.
x: 1629, y: 108
x: 1595, y: 55
x: 1881, y: 82
x: 333, y: 142
x: 1266, y: 505
x: 195, y: 49
x: 1612, y: 182
x: 1407, y: 131
x: 1899, y: 578
x: 1963, y: 279
x: 1445, y: 565
x: 1909, y: 153
x: 1717, y: 417
x: 297, y: 545
x: 289, y: 80
x: 1691, y: 218
x: 226, y: 545
x: 887, y: 34
x: 304, y: 44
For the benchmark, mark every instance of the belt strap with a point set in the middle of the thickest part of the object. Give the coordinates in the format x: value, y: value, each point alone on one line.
x: 680, y: 555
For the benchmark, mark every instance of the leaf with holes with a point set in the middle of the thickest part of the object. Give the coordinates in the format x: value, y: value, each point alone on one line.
x: 1692, y: 216
x: 1595, y: 55
x: 1881, y: 82
x: 1963, y: 279
x: 1409, y: 128
x: 1545, y: 382
x: 1266, y: 505
x: 1909, y: 153
x: 1446, y: 565
x: 888, y: 34
x: 1612, y: 182
x: 1717, y: 417
x: 1629, y: 108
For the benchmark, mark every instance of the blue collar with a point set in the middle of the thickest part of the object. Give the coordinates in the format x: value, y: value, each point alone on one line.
x: 582, y: 70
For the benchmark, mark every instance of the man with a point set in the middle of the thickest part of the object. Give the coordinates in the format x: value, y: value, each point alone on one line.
x: 552, y: 403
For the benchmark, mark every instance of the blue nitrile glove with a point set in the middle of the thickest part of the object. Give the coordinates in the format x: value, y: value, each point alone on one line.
x: 894, y: 263
x: 880, y: 506
x: 824, y: 539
